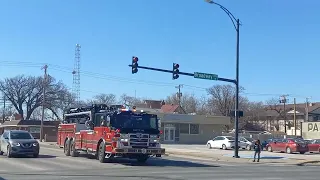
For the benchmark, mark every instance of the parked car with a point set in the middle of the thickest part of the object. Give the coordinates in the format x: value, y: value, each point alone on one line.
x: 266, y: 142
x: 314, y: 145
x: 246, y: 143
x: 221, y: 142
x: 18, y: 142
x: 288, y: 145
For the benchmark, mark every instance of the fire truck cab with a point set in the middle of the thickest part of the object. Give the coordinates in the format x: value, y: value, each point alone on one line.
x: 107, y: 132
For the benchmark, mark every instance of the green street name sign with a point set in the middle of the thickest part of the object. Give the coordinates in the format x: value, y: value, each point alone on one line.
x: 200, y: 75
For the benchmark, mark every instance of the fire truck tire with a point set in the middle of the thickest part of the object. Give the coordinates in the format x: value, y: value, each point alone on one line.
x: 102, y: 156
x: 66, y: 147
x: 73, y: 151
x: 142, y: 158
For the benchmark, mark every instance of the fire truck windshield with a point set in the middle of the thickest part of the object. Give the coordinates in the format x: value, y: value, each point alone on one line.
x: 143, y: 123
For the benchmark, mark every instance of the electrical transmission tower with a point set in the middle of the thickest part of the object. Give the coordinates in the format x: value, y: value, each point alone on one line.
x: 76, y: 74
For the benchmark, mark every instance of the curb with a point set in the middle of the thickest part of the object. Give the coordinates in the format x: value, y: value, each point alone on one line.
x: 309, y: 163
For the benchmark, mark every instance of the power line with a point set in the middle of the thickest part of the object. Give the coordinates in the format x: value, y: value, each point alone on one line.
x: 126, y: 80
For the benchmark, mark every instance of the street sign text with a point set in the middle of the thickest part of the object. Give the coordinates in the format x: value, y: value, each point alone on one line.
x: 200, y: 75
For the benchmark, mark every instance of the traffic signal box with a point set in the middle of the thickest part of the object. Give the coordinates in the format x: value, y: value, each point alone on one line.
x: 175, y: 71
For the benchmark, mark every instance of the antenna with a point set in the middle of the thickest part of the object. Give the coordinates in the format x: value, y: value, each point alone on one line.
x: 76, y: 75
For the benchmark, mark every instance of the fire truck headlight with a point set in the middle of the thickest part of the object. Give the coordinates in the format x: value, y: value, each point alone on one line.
x: 124, y: 140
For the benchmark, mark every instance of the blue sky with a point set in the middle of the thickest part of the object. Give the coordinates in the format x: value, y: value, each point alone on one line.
x: 279, y: 44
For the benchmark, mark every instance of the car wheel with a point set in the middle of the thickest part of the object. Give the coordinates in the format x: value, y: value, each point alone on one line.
x: 9, y: 154
x: 248, y: 147
x: 302, y: 152
x: 269, y: 148
x: 288, y: 150
x: 224, y: 147
x: 209, y: 145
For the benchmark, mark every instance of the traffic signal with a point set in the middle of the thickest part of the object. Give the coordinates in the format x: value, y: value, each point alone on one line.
x: 175, y: 71
x: 134, y: 64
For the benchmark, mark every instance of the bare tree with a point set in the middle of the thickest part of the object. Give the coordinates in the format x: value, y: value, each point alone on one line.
x: 189, y: 102
x: 273, y: 106
x: 222, y: 99
x: 254, y: 117
x: 129, y: 100
x: 25, y: 93
x: 108, y: 99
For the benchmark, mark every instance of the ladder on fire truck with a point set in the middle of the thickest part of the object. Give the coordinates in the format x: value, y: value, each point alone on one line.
x: 84, y: 117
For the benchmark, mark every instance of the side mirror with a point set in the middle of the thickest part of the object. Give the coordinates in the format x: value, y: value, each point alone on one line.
x: 6, y: 137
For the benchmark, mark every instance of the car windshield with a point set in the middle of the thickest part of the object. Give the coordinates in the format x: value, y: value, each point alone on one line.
x: 230, y: 138
x: 144, y: 121
x: 20, y: 135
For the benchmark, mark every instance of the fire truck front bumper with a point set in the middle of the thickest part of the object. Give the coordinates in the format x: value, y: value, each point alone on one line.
x: 153, y: 151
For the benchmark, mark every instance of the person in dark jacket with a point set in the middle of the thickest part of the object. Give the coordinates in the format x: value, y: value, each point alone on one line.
x: 257, y: 150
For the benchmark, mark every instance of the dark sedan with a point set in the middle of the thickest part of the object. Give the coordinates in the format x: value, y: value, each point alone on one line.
x: 18, y: 142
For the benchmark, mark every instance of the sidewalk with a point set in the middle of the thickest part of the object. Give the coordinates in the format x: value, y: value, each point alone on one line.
x: 201, y: 152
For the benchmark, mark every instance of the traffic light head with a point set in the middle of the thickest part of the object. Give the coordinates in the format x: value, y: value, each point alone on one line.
x: 135, y: 64
x: 175, y: 71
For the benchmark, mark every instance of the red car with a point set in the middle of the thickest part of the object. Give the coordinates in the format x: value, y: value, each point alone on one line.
x: 288, y: 145
x: 314, y: 145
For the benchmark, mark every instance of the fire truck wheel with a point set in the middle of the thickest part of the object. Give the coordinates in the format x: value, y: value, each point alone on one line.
x: 142, y: 158
x: 66, y: 148
x: 73, y: 151
x: 102, y: 156
x: 102, y: 153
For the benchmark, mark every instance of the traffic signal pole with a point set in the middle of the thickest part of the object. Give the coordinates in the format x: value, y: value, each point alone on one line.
x: 182, y: 73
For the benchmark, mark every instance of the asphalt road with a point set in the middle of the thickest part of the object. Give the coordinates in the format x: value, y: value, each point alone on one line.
x: 52, y: 164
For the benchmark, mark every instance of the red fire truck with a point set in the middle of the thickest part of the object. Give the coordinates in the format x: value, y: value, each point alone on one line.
x: 107, y: 132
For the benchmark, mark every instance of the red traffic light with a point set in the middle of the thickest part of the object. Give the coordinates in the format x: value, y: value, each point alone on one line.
x: 135, y: 59
x: 176, y: 66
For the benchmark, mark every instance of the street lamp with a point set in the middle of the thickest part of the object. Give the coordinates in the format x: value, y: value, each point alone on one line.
x: 236, y: 24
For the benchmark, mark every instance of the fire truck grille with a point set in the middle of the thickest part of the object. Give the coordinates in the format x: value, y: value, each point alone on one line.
x: 139, y: 140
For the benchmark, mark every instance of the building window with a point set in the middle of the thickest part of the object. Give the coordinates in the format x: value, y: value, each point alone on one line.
x: 194, y: 128
x: 184, y: 128
x: 189, y: 129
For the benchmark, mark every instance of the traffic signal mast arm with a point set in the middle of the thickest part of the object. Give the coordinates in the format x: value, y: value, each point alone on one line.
x: 183, y: 73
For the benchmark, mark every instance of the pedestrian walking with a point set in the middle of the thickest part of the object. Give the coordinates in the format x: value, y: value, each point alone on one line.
x: 257, y: 150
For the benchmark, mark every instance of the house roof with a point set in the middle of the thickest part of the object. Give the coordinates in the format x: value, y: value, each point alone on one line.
x: 169, y: 108
x: 152, y: 104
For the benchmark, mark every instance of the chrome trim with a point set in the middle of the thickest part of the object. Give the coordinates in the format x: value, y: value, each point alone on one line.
x: 138, y: 139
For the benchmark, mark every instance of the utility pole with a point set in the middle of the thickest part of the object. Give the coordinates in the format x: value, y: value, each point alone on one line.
x: 307, y: 110
x: 44, y: 84
x: 179, y: 94
x: 4, y: 108
x: 283, y: 99
x: 294, y: 117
